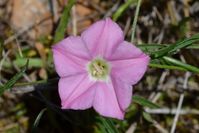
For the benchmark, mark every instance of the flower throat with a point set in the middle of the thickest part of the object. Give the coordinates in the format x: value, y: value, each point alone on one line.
x: 99, y: 69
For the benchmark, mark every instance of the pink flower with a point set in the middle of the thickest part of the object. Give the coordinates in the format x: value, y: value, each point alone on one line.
x: 98, y: 69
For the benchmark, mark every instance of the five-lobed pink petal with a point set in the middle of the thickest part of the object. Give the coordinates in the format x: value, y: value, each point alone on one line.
x: 76, y: 89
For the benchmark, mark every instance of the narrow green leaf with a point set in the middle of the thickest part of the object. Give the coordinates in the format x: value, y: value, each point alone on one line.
x: 181, y: 64
x: 186, y: 42
x: 147, y: 117
x: 37, y: 120
x: 107, y: 125
x: 144, y: 102
x: 152, y: 47
x: 193, y: 46
x: 60, y: 31
x: 122, y: 8
x: 100, y: 128
x: 163, y: 66
x: 171, y: 49
x: 13, y: 80
x: 111, y: 124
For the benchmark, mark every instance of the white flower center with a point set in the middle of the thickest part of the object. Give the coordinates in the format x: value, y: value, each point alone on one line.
x: 99, y: 69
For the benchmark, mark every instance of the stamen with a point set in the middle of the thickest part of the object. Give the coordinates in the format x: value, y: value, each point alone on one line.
x: 99, y: 69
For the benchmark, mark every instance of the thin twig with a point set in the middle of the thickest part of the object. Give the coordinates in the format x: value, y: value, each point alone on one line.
x: 159, y: 127
x: 155, y: 96
x: 132, y: 128
x: 127, y: 26
x: 74, y: 20
x: 98, y: 8
x: 17, y: 42
x: 26, y: 29
x: 26, y: 77
x: 168, y: 111
x: 112, y: 10
x: 187, y: 75
x: 177, y: 113
x: 54, y: 10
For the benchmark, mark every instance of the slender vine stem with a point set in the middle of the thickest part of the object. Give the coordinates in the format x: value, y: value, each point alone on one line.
x: 135, y: 20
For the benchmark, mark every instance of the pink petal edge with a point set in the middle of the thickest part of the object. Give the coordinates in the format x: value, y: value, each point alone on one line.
x: 125, y: 50
x: 105, y: 101
x: 75, y: 46
x: 79, y: 92
x: 123, y: 92
x: 131, y: 70
x: 70, y: 56
x: 103, y: 37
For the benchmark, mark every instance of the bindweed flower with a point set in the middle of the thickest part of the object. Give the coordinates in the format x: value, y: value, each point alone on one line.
x: 98, y: 69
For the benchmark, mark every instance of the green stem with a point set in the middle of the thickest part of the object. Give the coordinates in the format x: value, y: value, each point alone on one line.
x: 122, y: 8
x: 36, y: 82
x: 135, y: 20
x: 30, y: 83
x: 167, y: 67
